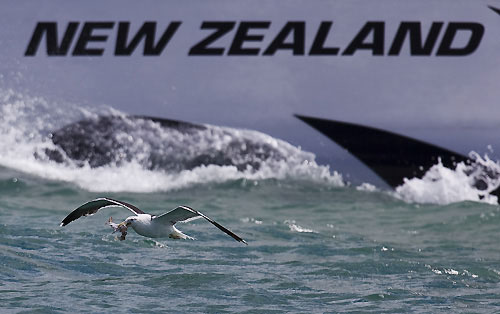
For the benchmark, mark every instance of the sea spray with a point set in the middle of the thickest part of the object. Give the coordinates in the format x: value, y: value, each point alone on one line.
x: 467, y: 182
x: 144, y: 156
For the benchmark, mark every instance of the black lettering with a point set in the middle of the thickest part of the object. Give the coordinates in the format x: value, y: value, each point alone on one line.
x: 476, y: 34
x: 242, y: 35
x: 201, y: 49
x: 496, y: 10
x: 50, y: 31
x: 414, y: 32
x: 377, y: 46
x: 146, y: 32
x: 318, y: 47
x: 86, y: 37
x: 298, y: 43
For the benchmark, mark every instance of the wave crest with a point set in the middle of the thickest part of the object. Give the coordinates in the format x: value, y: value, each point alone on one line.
x: 467, y: 182
x: 137, y: 154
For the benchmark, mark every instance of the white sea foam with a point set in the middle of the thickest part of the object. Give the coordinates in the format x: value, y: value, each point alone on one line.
x: 296, y: 228
x: 441, y: 185
x: 26, y: 124
x: 366, y: 187
x: 251, y: 220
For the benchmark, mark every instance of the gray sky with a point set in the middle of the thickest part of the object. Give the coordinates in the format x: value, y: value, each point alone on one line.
x: 450, y: 101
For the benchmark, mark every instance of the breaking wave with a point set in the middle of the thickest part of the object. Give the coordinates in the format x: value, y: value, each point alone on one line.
x: 140, y: 155
x: 136, y: 154
x: 467, y: 182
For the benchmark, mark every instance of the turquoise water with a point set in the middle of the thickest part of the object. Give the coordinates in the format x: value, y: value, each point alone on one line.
x: 312, y: 247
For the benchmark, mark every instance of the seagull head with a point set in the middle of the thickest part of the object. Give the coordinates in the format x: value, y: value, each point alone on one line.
x: 129, y: 221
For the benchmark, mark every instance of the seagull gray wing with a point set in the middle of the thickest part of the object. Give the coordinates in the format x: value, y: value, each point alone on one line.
x: 185, y: 213
x: 94, y: 206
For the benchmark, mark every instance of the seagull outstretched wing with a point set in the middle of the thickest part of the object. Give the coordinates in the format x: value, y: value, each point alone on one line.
x: 184, y: 214
x: 94, y: 206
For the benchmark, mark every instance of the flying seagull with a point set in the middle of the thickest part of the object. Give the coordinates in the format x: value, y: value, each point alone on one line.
x: 147, y: 225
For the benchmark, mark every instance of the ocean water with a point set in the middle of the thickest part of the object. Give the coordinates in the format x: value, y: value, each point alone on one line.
x: 316, y: 244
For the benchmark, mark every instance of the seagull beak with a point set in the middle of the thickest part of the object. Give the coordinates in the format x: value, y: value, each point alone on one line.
x: 124, y: 224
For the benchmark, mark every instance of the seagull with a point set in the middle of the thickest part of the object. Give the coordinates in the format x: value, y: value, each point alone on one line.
x: 147, y: 225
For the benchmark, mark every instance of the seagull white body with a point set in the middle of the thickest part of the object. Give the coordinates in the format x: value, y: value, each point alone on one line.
x: 147, y: 225
x: 144, y: 225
